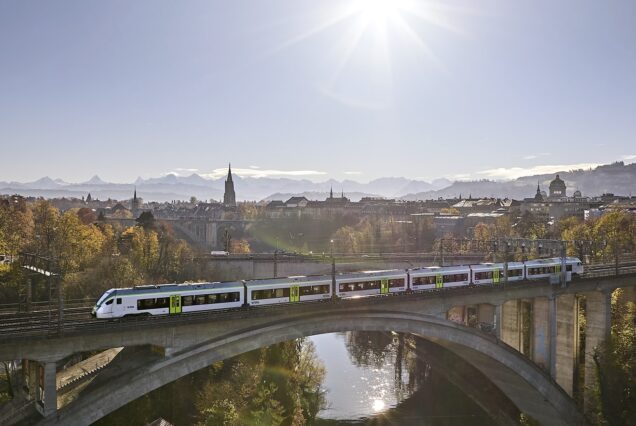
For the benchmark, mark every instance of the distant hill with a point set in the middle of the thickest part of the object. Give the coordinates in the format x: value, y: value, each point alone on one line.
x: 617, y: 178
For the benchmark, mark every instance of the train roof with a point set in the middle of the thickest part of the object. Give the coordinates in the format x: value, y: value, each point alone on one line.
x: 486, y: 266
x: 288, y: 280
x: 551, y: 260
x: 170, y: 288
x: 372, y: 274
x: 439, y: 269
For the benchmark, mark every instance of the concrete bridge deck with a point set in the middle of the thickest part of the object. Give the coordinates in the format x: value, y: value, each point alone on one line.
x: 191, y: 341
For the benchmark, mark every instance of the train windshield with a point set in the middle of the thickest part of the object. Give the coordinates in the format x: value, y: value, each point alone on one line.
x: 104, y: 297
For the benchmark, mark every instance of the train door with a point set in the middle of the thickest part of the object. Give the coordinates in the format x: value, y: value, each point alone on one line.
x: 496, y: 276
x: 384, y: 286
x: 175, y: 304
x: 118, y: 307
x: 294, y: 293
x: 439, y: 281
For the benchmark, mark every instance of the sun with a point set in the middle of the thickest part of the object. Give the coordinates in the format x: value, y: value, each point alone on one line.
x: 370, y: 41
x: 376, y: 11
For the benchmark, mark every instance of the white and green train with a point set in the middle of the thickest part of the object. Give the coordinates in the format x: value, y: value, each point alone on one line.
x: 173, y: 299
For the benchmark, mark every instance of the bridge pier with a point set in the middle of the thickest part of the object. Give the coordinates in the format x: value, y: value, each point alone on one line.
x: 566, y: 341
x: 498, y: 318
x: 510, y: 324
x: 48, y: 399
x: 541, y: 332
x: 39, y: 380
x: 597, y: 329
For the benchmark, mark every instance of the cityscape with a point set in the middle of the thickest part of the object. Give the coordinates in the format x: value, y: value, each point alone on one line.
x: 367, y: 212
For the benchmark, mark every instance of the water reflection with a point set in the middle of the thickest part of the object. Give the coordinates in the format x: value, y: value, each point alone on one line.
x: 391, y: 378
x: 333, y: 379
x: 366, y: 373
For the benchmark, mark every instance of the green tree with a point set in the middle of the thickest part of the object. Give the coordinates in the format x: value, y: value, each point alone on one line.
x: 146, y: 220
x: 616, y: 366
x: 616, y: 229
x: 221, y: 412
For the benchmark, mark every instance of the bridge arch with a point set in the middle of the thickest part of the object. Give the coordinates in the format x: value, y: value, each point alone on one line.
x: 525, y: 384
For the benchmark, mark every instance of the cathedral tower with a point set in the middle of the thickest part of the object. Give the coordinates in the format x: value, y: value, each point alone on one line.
x: 229, y: 197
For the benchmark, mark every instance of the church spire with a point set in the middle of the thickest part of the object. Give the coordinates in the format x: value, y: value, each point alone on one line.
x: 229, y: 197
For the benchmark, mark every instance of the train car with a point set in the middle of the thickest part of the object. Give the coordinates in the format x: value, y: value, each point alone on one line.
x: 285, y: 290
x: 575, y: 264
x: 439, y: 277
x: 494, y: 273
x: 169, y: 299
x: 544, y: 268
x: 370, y: 283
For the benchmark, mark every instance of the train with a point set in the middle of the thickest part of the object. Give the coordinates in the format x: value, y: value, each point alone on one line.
x: 171, y: 299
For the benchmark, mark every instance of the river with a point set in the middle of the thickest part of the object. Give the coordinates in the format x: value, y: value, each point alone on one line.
x: 330, y: 379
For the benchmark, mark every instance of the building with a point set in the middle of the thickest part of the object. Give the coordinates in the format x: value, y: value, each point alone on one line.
x: 557, y: 204
x: 557, y: 188
x: 229, y: 196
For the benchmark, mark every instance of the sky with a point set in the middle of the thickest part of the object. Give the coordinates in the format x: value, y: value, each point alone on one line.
x: 343, y: 89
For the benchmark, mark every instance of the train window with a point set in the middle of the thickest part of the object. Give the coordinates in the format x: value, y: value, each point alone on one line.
x: 119, y: 300
x: 110, y: 302
x: 161, y: 302
x: 455, y: 278
x: 568, y: 268
x: 186, y: 300
x: 514, y: 272
x: 199, y: 300
x: 270, y: 293
x: 396, y: 282
x: 424, y: 280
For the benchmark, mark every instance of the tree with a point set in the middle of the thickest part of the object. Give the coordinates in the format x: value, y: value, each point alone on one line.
x: 221, y: 412
x: 240, y: 246
x: 144, y: 248
x: 75, y: 245
x: 45, y: 218
x: 616, y: 366
x: 16, y: 225
x: 616, y: 229
x: 146, y: 220
x: 345, y: 240
x: 86, y: 215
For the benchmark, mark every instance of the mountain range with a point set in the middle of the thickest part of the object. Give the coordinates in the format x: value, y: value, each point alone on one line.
x: 617, y: 178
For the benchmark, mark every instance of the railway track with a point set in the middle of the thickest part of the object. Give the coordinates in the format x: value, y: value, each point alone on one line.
x: 77, y: 319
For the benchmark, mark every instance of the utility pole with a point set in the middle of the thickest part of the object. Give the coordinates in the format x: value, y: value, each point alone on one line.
x: 333, y: 272
x: 564, y: 274
x: 276, y: 259
x: 507, y: 250
x: 441, y: 252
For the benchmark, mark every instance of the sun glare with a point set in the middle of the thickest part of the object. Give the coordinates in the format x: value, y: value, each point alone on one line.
x: 376, y: 36
x: 377, y: 11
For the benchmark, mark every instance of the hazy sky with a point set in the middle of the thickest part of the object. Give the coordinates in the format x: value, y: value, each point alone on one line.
x: 314, y: 88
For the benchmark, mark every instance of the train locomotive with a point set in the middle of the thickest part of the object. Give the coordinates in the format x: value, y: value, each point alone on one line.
x: 171, y: 299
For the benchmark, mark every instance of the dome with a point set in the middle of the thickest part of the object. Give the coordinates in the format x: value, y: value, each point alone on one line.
x: 577, y: 194
x: 557, y: 188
